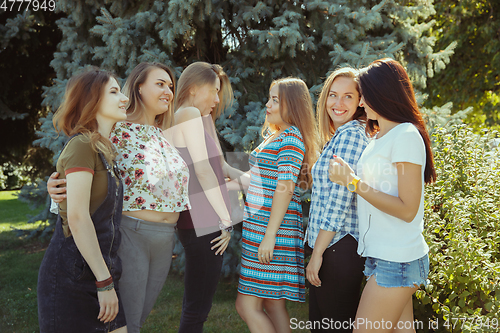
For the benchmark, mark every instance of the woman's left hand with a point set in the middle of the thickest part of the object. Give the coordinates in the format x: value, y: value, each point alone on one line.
x: 266, y: 249
x: 223, y: 242
x: 340, y: 172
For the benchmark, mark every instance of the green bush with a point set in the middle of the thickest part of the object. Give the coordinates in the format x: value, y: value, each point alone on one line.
x: 13, y: 175
x: 463, y: 233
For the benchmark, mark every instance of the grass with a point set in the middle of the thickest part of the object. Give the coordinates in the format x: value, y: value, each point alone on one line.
x: 19, y: 262
x: 20, y: 259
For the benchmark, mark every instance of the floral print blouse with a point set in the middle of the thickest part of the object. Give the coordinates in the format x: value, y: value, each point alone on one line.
x: 155, y: 176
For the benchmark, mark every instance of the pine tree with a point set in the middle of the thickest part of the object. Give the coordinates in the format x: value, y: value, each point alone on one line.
x: 255, y: 41
x: 28, y: 40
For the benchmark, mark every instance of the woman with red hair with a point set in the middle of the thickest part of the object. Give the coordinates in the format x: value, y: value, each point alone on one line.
x: 78, y: 277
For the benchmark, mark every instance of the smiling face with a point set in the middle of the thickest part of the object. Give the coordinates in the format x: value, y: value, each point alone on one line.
x: 342, y: 101
x: 113, y: 103
x: 273, y: 115
x: 206, y: 97
x: 156, y: 92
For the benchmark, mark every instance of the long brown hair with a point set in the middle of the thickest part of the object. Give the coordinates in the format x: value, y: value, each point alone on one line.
x: 295, y: 106
x: 135, y: 107
x: 198, y: 74
x: 78, y: 111
x: 325, y: 123
x: 387, y: 89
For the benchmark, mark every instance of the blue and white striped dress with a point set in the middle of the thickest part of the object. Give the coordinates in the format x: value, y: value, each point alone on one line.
x: 283, y: 278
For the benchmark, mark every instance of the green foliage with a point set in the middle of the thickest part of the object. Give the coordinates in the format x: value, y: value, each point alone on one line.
x: 472, y: 79
x: 443, y: 117
x: 463, y: 233
x: 13, y: 176
x: 27, y: 43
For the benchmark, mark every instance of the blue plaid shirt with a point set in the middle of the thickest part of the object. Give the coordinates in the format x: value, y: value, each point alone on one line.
x: 333, y: 207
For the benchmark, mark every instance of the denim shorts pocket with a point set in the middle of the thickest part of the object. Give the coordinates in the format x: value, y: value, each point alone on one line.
x: 424, y: 267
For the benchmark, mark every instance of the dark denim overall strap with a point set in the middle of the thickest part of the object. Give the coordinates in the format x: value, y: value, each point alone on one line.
x: 67, y: 300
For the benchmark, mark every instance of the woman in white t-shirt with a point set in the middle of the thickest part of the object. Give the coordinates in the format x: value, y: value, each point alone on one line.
x: 389, y: 181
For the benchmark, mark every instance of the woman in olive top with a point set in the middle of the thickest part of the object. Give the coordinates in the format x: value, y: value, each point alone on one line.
x: 77, y: 282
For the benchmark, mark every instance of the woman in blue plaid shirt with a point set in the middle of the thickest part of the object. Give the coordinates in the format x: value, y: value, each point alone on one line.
x: 335, y: 270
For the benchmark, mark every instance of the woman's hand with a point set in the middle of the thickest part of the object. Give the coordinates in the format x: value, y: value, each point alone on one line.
x: 58, y: 194
x: 108, y: 303
x: 223, y: 242
x: 266, y: 249
x: 312, y: 270
x: 340, y: 172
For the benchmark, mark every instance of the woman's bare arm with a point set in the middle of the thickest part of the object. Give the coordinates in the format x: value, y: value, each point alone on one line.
x: 82, y: 229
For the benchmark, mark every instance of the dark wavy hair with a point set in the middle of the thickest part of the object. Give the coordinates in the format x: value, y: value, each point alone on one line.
x: 387, y: 89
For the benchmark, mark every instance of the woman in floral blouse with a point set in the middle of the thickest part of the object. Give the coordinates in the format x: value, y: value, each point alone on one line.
x: 155, y: 192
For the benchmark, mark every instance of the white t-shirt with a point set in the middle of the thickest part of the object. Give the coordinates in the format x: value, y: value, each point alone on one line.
x: 381, y: 235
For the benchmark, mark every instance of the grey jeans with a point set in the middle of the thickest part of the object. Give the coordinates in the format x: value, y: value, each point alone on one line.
x: 146, y: 253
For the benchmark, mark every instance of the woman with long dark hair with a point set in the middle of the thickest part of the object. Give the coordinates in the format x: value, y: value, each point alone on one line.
x: 389, y: 181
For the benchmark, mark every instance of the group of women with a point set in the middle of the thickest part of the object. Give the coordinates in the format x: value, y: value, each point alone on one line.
x: 130, y: 157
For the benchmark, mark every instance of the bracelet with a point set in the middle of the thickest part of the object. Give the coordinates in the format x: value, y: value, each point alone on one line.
x: 104, y: 283
x: 110, y: 286
x: 224, y: 227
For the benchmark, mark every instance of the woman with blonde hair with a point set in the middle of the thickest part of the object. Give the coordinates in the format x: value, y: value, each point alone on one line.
x: 79, y: 274
x: 272, y: 262
x: 335, y: 270
x: 155, y: 178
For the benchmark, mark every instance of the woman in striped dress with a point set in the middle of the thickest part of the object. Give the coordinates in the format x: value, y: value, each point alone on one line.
x: 272, y: 262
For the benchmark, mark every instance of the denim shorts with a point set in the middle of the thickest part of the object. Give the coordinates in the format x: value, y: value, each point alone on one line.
x: 398, y: 274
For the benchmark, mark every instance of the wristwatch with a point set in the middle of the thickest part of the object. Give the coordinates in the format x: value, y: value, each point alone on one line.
x: 353, y: 185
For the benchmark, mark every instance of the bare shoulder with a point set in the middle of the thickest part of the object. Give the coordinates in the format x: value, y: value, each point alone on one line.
x: 186, y: 114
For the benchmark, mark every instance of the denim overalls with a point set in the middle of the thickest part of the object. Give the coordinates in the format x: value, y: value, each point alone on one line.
x: 67, y: 294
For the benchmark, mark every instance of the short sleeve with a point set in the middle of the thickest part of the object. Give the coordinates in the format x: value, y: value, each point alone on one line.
x: 78, y: 155
x: 409, y: 146
x: 290, y: 155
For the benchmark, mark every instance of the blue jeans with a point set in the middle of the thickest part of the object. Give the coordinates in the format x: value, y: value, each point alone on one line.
x: 201, y: 276
x: 398, y: 274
